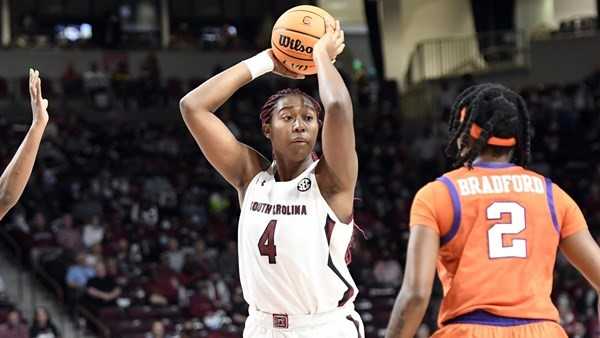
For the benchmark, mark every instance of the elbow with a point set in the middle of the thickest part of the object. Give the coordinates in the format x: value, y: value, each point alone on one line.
x: 184, y: 105
x: 7, y: 201
x: 338, y: 106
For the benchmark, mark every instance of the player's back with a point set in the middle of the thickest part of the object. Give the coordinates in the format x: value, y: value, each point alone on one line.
x: 500, y: 226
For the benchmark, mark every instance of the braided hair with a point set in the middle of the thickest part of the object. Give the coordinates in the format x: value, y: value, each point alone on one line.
x: 267, y: 109
x: 499, y: 113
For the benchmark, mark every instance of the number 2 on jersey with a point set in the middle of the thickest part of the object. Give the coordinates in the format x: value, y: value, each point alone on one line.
x: 266, y: 243
x: 496, y: 248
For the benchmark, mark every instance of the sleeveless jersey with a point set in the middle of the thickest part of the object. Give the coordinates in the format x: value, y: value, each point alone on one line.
x: 292, y: 247
x: 500, y: 226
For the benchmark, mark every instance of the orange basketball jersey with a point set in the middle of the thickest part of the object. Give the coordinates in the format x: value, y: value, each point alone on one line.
x: 500, y: 226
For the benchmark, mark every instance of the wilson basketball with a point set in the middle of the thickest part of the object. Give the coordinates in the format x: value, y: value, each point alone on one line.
x: 294, y: 35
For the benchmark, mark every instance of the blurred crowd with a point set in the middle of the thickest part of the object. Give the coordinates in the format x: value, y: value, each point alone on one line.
x: 14, y: 326
x: 131, y: 220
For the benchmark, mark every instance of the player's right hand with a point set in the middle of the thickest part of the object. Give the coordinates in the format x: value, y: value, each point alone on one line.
x: 39, y: 105
x: 281, y: 70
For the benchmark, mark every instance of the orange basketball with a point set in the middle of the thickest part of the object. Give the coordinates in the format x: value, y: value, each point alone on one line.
x: 294, y: 35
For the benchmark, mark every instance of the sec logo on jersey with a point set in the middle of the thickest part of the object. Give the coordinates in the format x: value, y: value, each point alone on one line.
x: 304, y: 185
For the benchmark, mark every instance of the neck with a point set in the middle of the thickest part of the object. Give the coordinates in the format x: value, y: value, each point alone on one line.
x: 495, y: 159
x: 287, y: 170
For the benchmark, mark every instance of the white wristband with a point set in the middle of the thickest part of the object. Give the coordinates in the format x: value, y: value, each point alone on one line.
x: 259, y: 64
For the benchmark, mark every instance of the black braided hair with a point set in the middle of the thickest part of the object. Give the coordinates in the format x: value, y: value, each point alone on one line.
x: 499, y: 112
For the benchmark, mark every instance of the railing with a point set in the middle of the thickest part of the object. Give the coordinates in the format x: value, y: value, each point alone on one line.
x: 437, y: 58
x: 16, y: 250
x: 103, y: 330
x: 50, y: 282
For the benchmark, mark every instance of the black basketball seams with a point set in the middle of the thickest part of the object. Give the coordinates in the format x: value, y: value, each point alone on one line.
x: 296, y: 31
x: 307, y: 11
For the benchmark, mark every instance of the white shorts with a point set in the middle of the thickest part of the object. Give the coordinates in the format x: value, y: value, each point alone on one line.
x: 340, y: 323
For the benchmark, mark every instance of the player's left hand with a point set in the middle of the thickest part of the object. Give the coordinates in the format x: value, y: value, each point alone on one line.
x: 39, y: 105
x: 331, y: 43
x: 280, y: 69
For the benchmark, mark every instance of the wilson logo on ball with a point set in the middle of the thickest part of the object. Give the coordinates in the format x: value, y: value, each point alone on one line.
x: 294, y: 44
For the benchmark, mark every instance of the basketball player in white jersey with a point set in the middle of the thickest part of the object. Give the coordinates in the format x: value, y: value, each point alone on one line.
x: 17, y: 172
x: 296, y: 220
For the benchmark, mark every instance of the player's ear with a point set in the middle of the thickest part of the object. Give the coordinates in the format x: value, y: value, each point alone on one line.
x: 266, y: 129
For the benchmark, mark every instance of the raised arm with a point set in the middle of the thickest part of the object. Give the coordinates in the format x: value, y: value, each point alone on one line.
x: 412, y: 301
x: 339, y: 151
x: 235, y: 161
x: 17, y: 173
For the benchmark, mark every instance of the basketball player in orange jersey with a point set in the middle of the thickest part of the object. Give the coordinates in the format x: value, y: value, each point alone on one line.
x: 15, y: 176
x: 296, y: 220
x: 493, y: 229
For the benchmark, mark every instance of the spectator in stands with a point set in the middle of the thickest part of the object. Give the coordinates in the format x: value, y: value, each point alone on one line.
x: 14, y: 326
x: 158, y: 331
x: 67, y: 235
x: 388, y: 271
x: 41, y: 236
x: 175, y: 255
x: 93, y: 232
x: 199, y: 262
x: 94, y: 255
x: 79, y: 273
x: 96, y: 84
x: 201, y: 304
x: 165, y: 287
x: 76, y: 279
x: 42, y: 326
x: 217, y: 290
x: 102, y: 290
x: 42, y: 239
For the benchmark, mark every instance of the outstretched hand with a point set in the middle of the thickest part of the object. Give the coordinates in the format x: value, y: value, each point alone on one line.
x: 281, y: 70
x: 39, y: 105
x: 331, y: 43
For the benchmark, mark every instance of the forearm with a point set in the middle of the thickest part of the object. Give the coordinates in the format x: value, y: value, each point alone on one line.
x: 332, y: 89
x: 97, y: 293
x: 17, y: 173
x: 115, y: 293
x: 407, y: 314
x: 213, y: 93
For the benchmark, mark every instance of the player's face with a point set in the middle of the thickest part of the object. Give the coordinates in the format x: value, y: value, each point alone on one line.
x: 294, y: 127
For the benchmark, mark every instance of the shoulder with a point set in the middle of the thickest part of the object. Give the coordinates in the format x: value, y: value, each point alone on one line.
x: 264, y: 173
x: 435, y: 193
x: 561, y: 198
x: 431, y: 189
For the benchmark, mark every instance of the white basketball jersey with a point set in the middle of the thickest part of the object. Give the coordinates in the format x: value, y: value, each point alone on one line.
x: 292, y: 247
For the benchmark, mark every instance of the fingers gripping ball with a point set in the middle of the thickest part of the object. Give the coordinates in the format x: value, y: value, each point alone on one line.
x: 294, y: 35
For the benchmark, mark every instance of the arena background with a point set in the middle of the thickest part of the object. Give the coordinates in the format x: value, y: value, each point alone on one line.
x: 119, y: 179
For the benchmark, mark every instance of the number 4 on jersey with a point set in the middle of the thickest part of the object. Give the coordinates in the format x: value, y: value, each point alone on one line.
x: 266, y: 243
